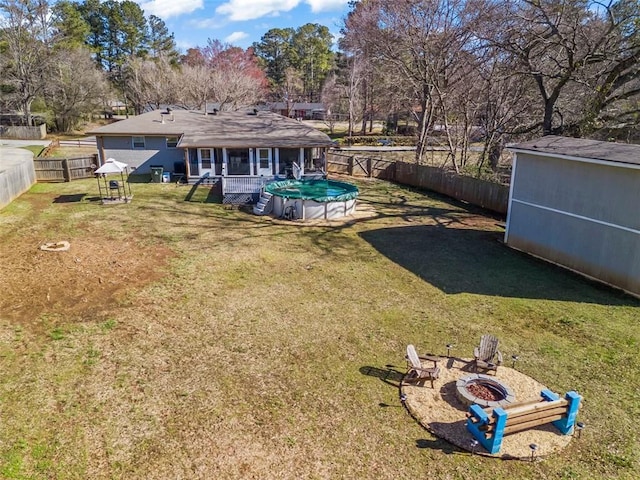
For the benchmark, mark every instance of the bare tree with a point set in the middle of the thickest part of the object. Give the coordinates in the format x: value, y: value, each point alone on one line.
x: 582, y: 55
x: 237, y: 80
x: 505, y: 105
x: 75, y: 87
x: 423, y: 42
x: 150, y: 82
x: 197, y: 87
x: 25, y: 58
x: 224, y: 74
x: 291, y: 89
x: 331, y: 99
x: 352, y: 91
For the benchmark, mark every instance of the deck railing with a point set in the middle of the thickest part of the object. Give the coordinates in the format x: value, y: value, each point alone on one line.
x: 242, y: 184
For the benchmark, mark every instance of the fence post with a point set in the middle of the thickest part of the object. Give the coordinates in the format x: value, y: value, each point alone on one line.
x: 66, y: 171
x: 350, y: 165
x: 369, y: 167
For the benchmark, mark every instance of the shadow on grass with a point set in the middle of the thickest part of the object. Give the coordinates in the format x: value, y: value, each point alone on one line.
x: 69, y: 198
x: 438, y: 444
x: 139, y: 178
x: 462, y: 260
x: 388, y: 375
x: 201, y: 193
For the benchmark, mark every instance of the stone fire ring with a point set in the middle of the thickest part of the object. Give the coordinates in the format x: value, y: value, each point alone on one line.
x: 440, y: 411
x: 468, y: 398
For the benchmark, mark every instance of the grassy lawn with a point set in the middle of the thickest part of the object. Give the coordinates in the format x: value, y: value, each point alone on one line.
x: 70, y: 152
x: 36, y: 149
x: 182, y: 339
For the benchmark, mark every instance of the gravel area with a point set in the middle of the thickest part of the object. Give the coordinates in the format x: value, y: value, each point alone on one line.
x: 440, y: 411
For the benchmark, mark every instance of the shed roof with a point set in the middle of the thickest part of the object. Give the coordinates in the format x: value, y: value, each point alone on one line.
x: 225, y: 129
x: 582, y: 148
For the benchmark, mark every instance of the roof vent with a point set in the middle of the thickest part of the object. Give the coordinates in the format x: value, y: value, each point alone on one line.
x: 254, y: 112
x: 168, y: 110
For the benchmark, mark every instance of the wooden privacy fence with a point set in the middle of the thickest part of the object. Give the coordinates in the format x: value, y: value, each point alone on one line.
x: 485, y: 194
x: 360, y: 166
x: 80, y: 142
x: 65, y: 169
x: 489, y: 195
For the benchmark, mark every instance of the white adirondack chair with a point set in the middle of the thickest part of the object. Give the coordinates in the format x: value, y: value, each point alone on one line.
x: 416, y: 372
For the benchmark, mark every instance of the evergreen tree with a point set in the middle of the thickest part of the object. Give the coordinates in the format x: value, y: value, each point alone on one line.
x: 312, y: 57
x: 160, y: 41
x: 118, y: 30
x: 306, y: 50
x: 274, y: 52
x: 71, y: 30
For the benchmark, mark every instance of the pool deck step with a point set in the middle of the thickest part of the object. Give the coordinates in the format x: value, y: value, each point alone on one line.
x: 264, y: 205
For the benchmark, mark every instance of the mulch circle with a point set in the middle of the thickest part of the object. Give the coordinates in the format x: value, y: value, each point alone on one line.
x: 441, y: 412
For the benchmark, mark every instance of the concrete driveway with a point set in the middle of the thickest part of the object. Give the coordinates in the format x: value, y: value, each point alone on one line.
x: 23, y: 143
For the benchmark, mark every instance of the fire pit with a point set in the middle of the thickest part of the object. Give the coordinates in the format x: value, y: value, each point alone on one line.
x: 62, y: 246
x: 484, y: 390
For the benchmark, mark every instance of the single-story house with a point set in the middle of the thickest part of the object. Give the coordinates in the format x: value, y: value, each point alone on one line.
x: 575, y: 202
x: 237, y: 151
x: 303, y: 110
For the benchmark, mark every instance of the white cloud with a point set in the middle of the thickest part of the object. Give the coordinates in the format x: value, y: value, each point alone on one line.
x: 239, y: 10
x: 170, y: 8
x: 184, y: 46
x: 326, y: 5
x: 207, y: 23
x: 235, y: 37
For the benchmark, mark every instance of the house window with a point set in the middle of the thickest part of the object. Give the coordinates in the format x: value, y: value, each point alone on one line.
x: 172, y: 142
x: 194, y: 168
x: 264, y: 158
x: 217, y: 161
x: 238, y: 161
x: 287, y: 158
x: 308, y: 159
x: 138, y: 142
x: 205, y: 158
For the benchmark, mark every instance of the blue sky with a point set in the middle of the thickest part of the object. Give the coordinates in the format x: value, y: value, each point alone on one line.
x: 241, y: 22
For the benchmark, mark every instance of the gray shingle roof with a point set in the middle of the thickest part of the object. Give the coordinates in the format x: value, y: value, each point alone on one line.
x: 225, y: 129
x: 582, y: 148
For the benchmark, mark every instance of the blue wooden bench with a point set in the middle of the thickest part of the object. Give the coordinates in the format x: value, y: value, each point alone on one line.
x: 490, y: 425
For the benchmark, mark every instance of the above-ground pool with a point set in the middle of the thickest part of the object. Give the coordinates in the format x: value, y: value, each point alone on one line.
x: 312, y: 199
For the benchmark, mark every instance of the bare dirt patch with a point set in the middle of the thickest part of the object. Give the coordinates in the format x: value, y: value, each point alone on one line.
x: 80, y: 282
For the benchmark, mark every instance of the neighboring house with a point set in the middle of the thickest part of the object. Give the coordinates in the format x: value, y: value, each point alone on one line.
x: 575, y: 202
x: 117, y: 107
x: 237, y: 151
x: 304, y: 111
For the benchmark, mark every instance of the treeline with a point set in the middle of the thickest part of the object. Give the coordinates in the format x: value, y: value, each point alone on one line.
x: 72, y: 59
x: 498, y: 71
x: 296, y: 61
x: 460, y: 70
